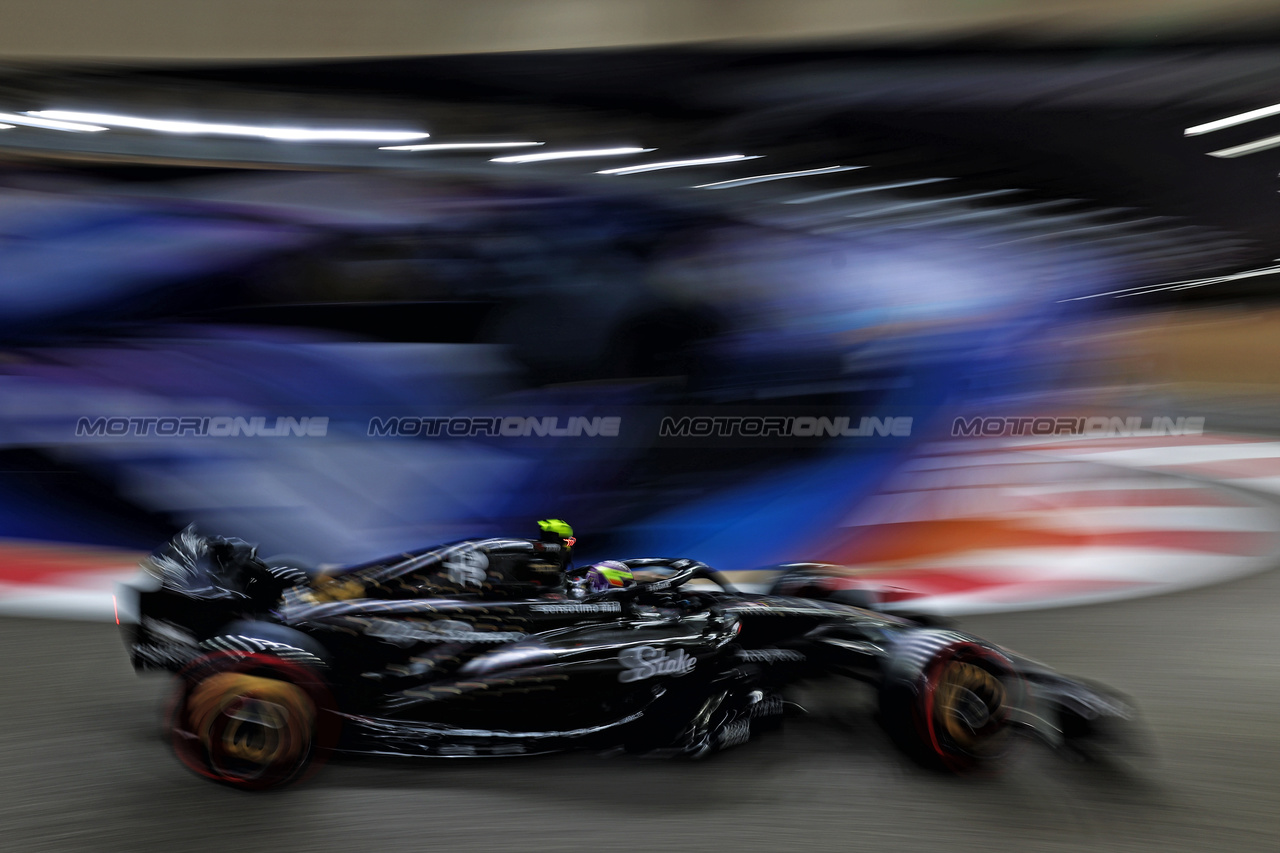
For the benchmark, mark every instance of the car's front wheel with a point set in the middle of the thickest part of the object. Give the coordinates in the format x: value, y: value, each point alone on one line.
x: 949, y: 705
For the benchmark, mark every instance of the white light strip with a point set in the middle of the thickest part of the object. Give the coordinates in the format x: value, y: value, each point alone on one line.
x: 679, y: 164
x: 1129, y: 238
x: 1247, y: 148
x: 6, y: 127
x: 1176, y: 285
x: 459, y: 146
x: 993, y: 212
x: 777, y: 176
x: 1204, y: 282
x: 293, y: 134
x: 570, y: 155
x: 809, y: 199
x: 928, y: 202
x: 1232, y: 121
x: 49, y: 124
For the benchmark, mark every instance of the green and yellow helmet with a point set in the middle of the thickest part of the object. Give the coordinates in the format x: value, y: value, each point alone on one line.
x: 556, y: 530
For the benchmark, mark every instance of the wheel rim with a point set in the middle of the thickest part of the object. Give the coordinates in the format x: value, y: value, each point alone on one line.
x: 251, y: 721
x: 969, y: 703
x: 251, y: 727
x: 966, y: 706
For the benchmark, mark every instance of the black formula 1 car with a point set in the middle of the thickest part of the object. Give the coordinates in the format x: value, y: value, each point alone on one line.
x: 423, y: 655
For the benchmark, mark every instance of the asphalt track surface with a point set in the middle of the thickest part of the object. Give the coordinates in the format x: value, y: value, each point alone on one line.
x: 83, y: 766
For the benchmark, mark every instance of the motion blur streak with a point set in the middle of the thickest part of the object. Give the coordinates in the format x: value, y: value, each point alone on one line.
x: 460, y: 146
x: 1232, y: 121
x: 678, y: 164
x: 779, y: 176
x: 49, y: 123
x: 292, y: 134
x: 810, y: 199
x: 1248, y: 147
x: 571, y: 155
x: 1179, y: 285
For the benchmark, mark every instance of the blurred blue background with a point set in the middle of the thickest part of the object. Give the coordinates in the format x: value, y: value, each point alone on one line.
x: 875, y: 259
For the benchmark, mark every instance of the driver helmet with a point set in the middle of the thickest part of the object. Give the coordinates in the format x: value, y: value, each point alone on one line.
x: 557, y: 531
x: 556, y: 545
x: 610, y: 574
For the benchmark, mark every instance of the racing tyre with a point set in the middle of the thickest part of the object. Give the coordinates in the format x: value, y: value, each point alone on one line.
x: 251, y: 721
x: 946, y: 703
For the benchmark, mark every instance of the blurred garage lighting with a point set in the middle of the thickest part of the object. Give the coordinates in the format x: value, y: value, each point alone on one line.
x: 679, y: 164
x: 777, y: 176
x: 6, y: 127
x: 1204, y: 282
x: 928, y: 202
x: 49, y: 123
x: 1247, y: 148
x: 875, y: 188
x: 1186, y: 284
x: 292, y: 134
x: 460, y: 146
x: 570, y: 155
x: 1232, y: 121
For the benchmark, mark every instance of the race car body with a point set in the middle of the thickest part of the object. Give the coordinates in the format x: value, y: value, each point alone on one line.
x: 430, y: 653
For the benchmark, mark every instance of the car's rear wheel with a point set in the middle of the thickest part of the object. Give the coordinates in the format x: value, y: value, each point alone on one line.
x: 251, y: 721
